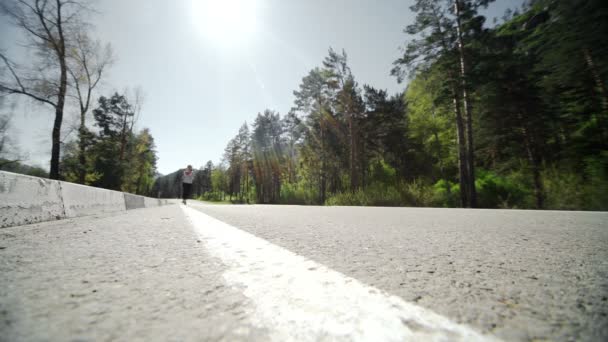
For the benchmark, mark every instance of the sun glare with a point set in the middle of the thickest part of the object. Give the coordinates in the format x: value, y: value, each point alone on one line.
x: 226, y: 22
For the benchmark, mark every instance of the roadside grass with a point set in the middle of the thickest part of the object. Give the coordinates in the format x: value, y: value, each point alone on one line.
x: 214, y: 202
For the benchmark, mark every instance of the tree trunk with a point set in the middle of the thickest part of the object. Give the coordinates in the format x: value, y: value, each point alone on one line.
x: 63, y: 81
x: 534, y: 160
x: 56, y: 135
x: 601, y: 88
x: 138, y: 187
x: 123, y: 139
x: 440, y: 160
x: 538, y: 185
x: 362, y: 164
x: 597, y: 78
x: 467, y: 111
x: 354, y: 175
x: 82, y: 172
x: 462, y: 155
x: 323, y: 171
x: 56, y: 143
x: 247, y: 182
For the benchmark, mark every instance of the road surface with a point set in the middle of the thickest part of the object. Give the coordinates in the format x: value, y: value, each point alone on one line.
x: 212, y: 272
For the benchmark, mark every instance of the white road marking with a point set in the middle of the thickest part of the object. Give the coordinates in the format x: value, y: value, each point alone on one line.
x: 297, y: 299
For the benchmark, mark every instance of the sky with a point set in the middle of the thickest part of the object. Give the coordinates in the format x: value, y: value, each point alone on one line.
x: 206, y: 67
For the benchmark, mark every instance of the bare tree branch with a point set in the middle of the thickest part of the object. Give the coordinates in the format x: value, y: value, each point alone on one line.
x: 21, y: 89
x: 50, y: 26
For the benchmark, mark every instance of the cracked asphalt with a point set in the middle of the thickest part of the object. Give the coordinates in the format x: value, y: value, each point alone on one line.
x: 520, y: 275
x: 144, y: 275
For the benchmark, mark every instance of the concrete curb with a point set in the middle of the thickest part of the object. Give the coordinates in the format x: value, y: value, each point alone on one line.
x: 27, y: 199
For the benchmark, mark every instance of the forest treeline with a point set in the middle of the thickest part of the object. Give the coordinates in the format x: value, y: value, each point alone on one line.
x: 64, y: 75
x: 510, y: 116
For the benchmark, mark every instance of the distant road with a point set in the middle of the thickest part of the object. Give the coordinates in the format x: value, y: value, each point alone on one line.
x: 519, y: 275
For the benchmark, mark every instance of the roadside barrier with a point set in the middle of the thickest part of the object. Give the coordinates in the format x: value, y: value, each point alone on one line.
x: 26, y: 199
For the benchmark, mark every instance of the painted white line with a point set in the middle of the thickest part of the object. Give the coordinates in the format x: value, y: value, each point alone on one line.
x: 297, y: 299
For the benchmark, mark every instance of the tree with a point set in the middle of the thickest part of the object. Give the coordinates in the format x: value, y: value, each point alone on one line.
x: 141, y: 166
x: 237, y: 156
x: 312, y: 102
x: 8, y: 151
x: 232, y: 159
x: 114, y: 116
x: 219, y: 182
x: 569, y: 39
x: 442, y: 28
x: 243, y: 141
x: 514, y: 115
x: 294, y: 130
x: 49, y: 27
x: 436, y: 48
x: 430, y: 129
x: 267, y: 151
x: 513, y: 120
x: 348, y: 106
x: 464, y: 10
x: 206, y: 177
x: 87, y: 61
x: 385, y: 132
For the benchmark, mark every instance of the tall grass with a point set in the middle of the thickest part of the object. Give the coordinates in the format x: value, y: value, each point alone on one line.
x: 584, y: 190
x: 416, y: 193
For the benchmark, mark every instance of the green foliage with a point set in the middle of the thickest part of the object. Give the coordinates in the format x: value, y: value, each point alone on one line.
x: 213, y: 196
x: 412, y: 194
x: 298, y: 193
x: 381, y: 172
x: 564, y: 190
x: 141, y: 164
x: 115, y: 157
x: 536, y: 98
x: 494, y: 191
x: 596, y: 171
x: 18, y: 167
x: 417, y: 193
x: 219, y: 181
x: 268, y: 156
x: 571, y: 190
x: 377, y: 194
x: 445, y: 194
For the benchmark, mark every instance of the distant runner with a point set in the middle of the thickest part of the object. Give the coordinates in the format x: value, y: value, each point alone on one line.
x: 187, y: 179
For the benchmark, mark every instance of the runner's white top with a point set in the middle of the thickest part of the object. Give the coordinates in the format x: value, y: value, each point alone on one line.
x: 188, y: 178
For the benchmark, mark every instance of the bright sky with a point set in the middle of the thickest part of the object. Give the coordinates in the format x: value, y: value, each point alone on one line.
x: 207, y: 66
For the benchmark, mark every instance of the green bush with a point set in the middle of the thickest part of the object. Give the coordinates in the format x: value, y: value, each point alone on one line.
x: 570, y: 190
x: 563, y: 189
x: 596, y: 170
x: 381, y: 172
x: 417, y: 194
x: 446, y: 194
x: 493, y: 191
x: 213, y: 196
x: 297, y: 193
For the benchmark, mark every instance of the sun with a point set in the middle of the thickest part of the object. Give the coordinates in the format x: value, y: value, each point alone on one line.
x: 226, y: 22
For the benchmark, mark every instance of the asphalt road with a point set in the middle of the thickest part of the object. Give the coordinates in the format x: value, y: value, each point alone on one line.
x: 139, y: 275
x: 519, y: 275
x: 154, y: 275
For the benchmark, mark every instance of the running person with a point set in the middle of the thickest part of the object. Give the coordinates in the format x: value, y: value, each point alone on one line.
x: 187, y: 179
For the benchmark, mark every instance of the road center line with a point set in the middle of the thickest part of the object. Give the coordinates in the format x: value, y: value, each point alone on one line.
x: 297, y: 299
